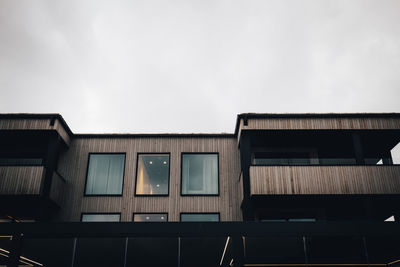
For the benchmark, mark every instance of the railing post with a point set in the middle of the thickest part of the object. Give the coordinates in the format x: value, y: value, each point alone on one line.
x: 358, y: 150
x: 245, y: 162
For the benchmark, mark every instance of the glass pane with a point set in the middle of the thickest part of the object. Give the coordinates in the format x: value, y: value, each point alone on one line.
x: 203, y: 252
x: 47, y: 252
x: 152, y: 252
x: 336, y: 250
x: 275, y: 250
x: 20, y: 161
x: 101, y: 217
x: 162, y: 217
x: 200, y: 217
x: 282, y: 158
x: 337, y: 161
x: 152, y: 174
x: 301, y: 220
x: 5, y: 247
x: 200, y: 174
x: 383, y: 249
x: 105, y: 174
x: 98, y: 252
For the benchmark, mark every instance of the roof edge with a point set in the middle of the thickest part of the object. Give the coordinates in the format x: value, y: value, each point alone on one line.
x: 313, y: 115
x: 38, y: 116
x: 152, y: 135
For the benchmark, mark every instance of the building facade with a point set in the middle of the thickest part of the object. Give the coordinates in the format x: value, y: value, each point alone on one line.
x: 282, y: 190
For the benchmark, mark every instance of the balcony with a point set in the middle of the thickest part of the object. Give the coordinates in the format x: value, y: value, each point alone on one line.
x: 325, y: 180
x: 21, y: 180
x: 23, y: 194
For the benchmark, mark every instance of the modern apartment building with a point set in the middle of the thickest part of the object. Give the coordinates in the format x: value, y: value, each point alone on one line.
x: 282, y: 190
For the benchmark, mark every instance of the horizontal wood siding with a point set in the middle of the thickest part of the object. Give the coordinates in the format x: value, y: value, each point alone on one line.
x: 288, y: 180
x: 20, y: 180
x: 35, y: 124
x: 321, y: 124
x: 73, y: 167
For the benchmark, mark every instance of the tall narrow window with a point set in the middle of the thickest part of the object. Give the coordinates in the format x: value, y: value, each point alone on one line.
x: 101, y: 217
x: 199, y: 217
x: 152, y: 174
x: 200, y: 174
x: 105, y: 174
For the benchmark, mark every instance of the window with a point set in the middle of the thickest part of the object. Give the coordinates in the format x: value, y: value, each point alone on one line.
x: 114, y: 217
x: 199, y: 217
x: 105, y: 174
x: 152, y: 174
x: 200, y: 174
x: 21, y: 161
x: 150, y: 217
x: 282, y: 158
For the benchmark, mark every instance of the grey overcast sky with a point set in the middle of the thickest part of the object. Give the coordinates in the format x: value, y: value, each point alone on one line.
x: 193, y: 65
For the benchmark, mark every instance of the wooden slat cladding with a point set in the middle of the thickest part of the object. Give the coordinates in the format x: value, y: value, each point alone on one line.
x: 35, y: 124
x: 321, y: 124
x: 57, y: 189
x: 300, y: 180
x: 20, y: 180
x: 73, y: 167
x: 62, y: 132
x: 240, y: 189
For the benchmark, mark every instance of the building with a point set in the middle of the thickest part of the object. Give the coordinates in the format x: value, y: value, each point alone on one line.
x: 282, y: 190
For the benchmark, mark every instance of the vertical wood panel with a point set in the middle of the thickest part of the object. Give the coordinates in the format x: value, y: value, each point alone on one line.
x: 20, y: 180
x: 57, y: 191
x: 287, y: 180
x: 73, y: 165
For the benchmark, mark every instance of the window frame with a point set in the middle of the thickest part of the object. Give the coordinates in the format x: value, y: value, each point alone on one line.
x: 199, y: 213
x: 143, y: 213
x: 218, y: 182
x: 169, y: 174
x: 100, y: 213
x: 87, y: 173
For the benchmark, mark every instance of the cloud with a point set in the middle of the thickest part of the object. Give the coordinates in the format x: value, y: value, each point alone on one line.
x: 191, y: 66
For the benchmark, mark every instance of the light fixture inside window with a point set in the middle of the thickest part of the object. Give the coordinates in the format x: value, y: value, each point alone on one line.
x: 150, y: 162
x: 165, y: 163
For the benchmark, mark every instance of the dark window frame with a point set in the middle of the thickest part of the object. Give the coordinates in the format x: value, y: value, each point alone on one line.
x: 136, y: 171
x: 87, y: 172
x: 218, y: 178
x: 151, y: 213
x: 199, y: 213
x: 100, y: 213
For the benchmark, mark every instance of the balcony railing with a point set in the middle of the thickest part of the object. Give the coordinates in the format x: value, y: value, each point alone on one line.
x: 27, y: 181
x: 309, y: 180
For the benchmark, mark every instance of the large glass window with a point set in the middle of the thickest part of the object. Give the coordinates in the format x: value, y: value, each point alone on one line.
x: 200, y: 174
x: 101, y: 217
x: 150, y: 217
x: 152, y: 174
x: 105, y: 174
x: 199, y: 217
